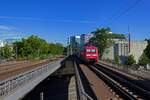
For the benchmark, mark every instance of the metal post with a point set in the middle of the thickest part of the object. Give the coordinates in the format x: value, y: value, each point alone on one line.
x: 68, y: 47
x: 41, y: 96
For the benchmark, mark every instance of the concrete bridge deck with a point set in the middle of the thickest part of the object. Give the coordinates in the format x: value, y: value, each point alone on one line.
x: 16, y: 87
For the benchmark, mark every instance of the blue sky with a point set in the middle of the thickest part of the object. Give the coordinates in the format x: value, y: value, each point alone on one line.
x: 55, y: 20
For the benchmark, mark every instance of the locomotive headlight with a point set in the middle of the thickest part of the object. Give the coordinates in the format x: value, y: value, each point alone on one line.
x: 88, y: 55
x: 94, y: 55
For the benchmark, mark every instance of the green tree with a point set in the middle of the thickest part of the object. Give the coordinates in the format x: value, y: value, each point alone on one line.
x: 117, y: 59
x: 147, y: 50
x: 143, y: 59
x: 6, y: 52
x: 114, y: 35
x: 130, y: 60
x: 34, y: 47
x: 56, y: 49
x: 102, y: 39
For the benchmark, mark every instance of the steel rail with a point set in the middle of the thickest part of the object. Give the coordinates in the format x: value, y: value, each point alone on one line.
x: 83, y: 94
x: 135, y: 88
x: 138, y: 88
x: 115, y: 85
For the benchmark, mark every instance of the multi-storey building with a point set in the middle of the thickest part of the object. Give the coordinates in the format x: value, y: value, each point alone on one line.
x: 121, y: 49
x: 109, y: 53
x: 85, y: 38
x: 74, y: 43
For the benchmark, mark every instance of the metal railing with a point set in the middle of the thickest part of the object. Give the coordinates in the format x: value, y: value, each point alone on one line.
x: 11, y: 84
x: 82, y: 94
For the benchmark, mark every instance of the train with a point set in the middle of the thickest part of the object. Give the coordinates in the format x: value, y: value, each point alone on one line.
x: 89, y: 54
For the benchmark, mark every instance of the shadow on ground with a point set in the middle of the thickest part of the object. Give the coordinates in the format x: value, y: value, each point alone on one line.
x: 55, y: 87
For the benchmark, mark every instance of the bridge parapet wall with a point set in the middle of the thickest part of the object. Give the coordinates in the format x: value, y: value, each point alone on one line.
x: 17, y: 86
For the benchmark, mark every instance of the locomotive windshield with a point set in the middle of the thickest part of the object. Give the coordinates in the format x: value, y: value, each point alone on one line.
x: 90, y: 50
x: 93, y: 50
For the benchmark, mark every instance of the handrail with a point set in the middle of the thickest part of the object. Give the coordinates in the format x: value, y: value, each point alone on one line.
x: 83, y: 94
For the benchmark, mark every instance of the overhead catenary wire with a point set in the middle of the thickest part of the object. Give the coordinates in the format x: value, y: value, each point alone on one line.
x: 125, y: 11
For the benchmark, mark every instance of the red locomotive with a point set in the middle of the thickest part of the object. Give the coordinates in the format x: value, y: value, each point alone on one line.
x: 89, y: 54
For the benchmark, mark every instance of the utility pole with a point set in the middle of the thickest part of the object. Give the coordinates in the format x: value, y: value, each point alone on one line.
x: 68, y: 47
x: 41, y: 96
x: 16, y: 51
x: 129, y: 37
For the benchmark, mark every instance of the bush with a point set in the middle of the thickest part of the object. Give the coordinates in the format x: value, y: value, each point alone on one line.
x: 6, y: 52
x: 117, y: 59
x: 130, y: 60
x: 143, y: 60
x: 36, y: 48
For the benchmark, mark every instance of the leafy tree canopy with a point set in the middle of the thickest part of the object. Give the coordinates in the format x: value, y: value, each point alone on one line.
x: 102, y: 39
x: 130, y: 60
x: 147, y: 50
x: 5, y: 52
x: 143, y: 59
x: 117, y: 60
x: 35, y: 47
x: 114, y: 35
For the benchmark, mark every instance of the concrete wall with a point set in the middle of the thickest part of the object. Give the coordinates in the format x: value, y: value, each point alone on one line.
x: 137, y: 48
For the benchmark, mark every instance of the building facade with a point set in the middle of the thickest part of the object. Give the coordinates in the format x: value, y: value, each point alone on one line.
x: 75, y: 40
x: 120, y: 48
x: 84, y: 38
x: 108, y: 53
x: 137, y: 48
x: 74, y: 44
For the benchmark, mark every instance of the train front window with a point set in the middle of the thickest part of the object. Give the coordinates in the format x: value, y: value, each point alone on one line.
x: 93, y: 50
x: 88, y: 50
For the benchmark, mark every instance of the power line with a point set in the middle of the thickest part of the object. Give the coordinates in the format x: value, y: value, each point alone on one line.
x: 124, y: 11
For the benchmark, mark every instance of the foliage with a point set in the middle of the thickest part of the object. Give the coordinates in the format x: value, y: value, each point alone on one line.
x: 102, y: 39
x: 117, y: 59
x: 114, y: 35
x: 130, y: 60
x: 147, y: 50
x: 5, y: 52
x: 143, y: 59
x: 36, y: 48
x: 65, y: 50
x: 56, y: 49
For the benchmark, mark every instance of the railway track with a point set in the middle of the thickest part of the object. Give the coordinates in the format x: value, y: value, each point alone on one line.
x: 123, y: 88
x: 14, y: 68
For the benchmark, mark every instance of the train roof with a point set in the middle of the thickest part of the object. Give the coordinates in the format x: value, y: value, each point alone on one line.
x: 90, y: 47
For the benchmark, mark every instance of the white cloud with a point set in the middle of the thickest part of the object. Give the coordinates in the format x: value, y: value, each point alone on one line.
x: 5, y: 27
x: 84, y: 21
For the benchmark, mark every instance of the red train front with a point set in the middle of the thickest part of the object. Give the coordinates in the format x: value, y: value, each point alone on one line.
x: 89, y: 54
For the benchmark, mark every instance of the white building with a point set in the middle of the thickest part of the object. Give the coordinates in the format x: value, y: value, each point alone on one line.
x: 2, y: 43
x: 75, y: 41
x: 109, y: 53
x: 120, y: 48
x: 137, y: 48
x: 84, y: 38
x: 74, y: 44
